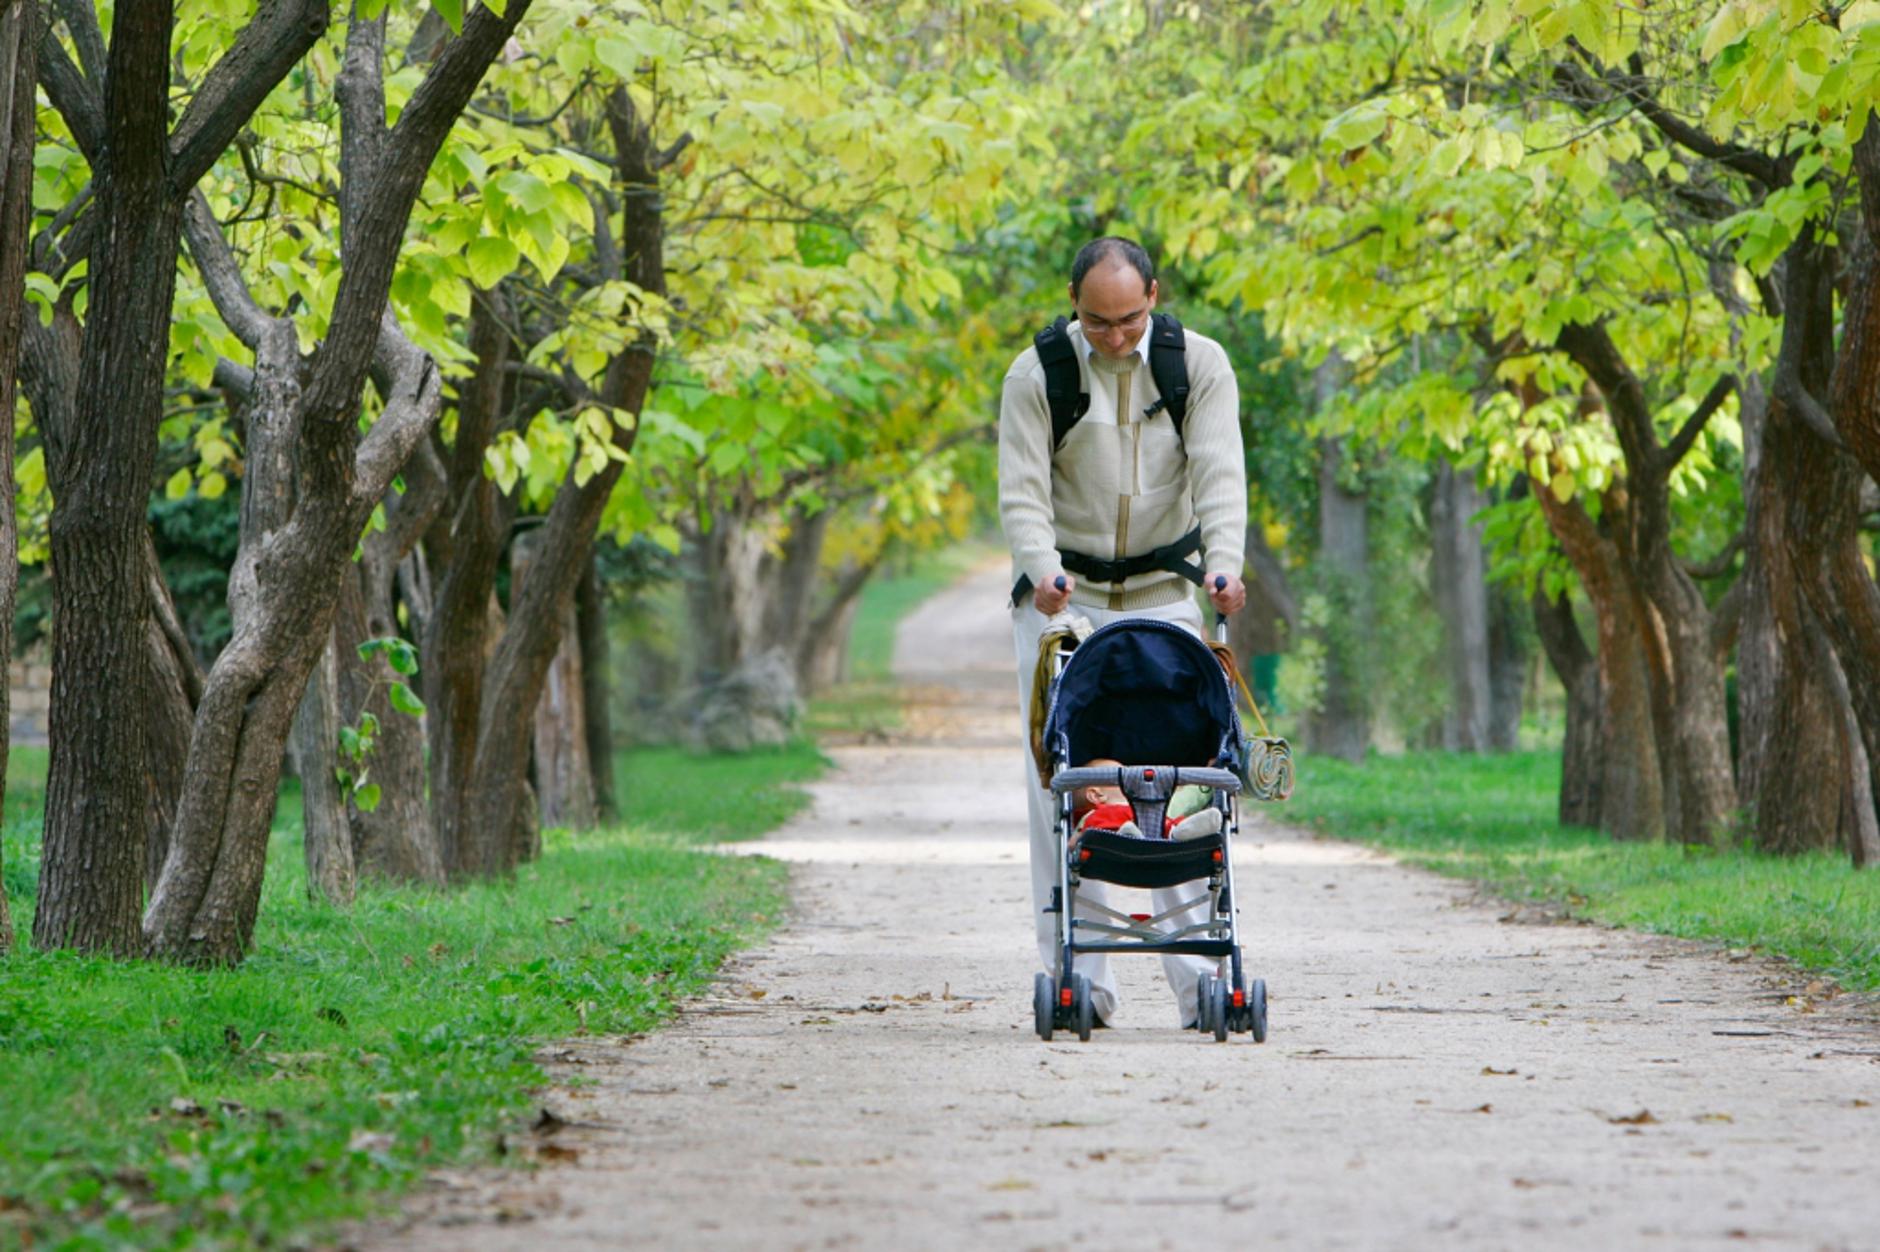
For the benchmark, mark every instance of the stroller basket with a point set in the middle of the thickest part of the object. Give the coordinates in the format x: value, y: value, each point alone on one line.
x: 1132, y: 861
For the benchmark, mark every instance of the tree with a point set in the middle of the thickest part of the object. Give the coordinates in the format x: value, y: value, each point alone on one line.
x: 143, y: 170
x: 313, y: 481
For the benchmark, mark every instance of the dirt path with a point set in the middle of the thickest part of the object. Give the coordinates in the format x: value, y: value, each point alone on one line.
x: 1441, y: 1072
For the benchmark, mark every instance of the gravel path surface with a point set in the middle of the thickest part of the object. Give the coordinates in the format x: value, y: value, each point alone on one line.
x: 1443, y: 1070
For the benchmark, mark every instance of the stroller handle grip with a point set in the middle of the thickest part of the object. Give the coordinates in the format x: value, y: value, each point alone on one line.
x: 1112, y: 776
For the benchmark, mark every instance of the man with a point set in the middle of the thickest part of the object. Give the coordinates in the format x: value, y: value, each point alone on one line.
x: 1121, y: 482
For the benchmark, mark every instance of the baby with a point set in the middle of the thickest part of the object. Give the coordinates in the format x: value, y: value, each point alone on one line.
x: 1101, y: 807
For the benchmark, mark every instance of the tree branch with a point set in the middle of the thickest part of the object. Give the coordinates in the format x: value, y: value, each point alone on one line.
x: 1680, y: 444
x: 81, y: 19
x: 72, y: 96
x: 276, y: 37
x: 221, y: 275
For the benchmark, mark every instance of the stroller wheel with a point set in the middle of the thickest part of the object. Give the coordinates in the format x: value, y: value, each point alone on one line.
x: 1202, y: 999
x: 1256, y: 1009
x: 1218, y: 1008
x: 1044, y: 1004
x: 1082, y: 1012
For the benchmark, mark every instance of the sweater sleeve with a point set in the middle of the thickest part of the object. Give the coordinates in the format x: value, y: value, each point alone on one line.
x: 1217, y: 468
x: 1025, y: 476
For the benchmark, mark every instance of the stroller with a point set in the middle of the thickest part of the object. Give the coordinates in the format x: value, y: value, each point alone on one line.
x: 1152, y: 695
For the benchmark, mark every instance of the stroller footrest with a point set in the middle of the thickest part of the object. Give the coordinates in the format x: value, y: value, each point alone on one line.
x: 1133, y: 861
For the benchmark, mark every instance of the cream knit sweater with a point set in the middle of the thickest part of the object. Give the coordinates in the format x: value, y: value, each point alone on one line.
x: 1121, y: 486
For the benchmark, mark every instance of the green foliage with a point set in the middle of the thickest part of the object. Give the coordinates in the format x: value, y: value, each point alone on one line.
x: 1493, y: 818
x: 157, y: 1107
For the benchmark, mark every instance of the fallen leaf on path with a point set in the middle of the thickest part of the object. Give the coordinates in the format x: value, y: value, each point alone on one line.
x: 1715, y: 1117
x: 1486, y: 1108
x: 1861, y: 1104
x: 556, y: 1154
x: 1641, y: 1118
x: 1011, y: 1184
x: 1504, y: 1073
x: 757, y: 993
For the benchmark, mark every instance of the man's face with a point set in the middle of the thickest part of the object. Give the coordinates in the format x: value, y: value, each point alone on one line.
x: 1113, y: 308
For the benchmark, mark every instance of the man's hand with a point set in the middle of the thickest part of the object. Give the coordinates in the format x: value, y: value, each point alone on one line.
x: 1050, y: 597
x: 1227, y: 592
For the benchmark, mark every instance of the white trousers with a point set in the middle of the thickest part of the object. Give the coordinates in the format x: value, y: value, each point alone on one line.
x: 1183, y: 972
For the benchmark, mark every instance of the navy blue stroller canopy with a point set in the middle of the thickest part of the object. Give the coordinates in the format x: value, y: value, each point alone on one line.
x: 1144, y: 692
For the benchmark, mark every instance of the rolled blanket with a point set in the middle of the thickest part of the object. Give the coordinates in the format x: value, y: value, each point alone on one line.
x: 1269, y: 769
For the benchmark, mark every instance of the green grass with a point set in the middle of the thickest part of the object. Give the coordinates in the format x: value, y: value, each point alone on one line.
x: 1492, y: 818
x: 154, y: 1107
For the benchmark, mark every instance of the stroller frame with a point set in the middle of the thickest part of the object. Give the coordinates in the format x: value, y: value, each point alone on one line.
x: 1227, y: 1001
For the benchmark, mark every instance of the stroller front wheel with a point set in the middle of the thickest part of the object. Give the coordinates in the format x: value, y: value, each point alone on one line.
x: 1044, y: 1004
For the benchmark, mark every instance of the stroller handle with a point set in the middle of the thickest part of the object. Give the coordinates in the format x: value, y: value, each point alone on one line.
x: 1220, y: 619
x: 1112, y: 776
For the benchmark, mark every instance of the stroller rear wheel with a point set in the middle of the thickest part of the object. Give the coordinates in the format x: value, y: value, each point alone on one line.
x: 1218, y: 1008
x: 1044, y: 1004
x: 1202, y: 999
x: 1083, y: 1013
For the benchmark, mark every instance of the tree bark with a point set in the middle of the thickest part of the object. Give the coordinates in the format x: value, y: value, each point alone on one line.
x: 597, y: 688
x: 91, y: 878
x: 1458, y: 574
x: 1631, y: 794
x: 1582, y: 756
x: 1789, y: 722
x: 326, y: 834
x: 564, y: 789
x: 1509, y: 651
x: 498, y: 783
x: 727, y: 602
x: 457, y: 639
x: 1341, y: 726
x: 19, y: 41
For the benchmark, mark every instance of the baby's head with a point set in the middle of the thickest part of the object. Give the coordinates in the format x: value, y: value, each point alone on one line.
x: 1088, y: 798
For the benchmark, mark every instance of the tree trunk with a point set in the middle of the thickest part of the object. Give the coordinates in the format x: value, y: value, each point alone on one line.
x: 1458, y: 575
x: 326, y: 834
x: 169, y: 712
x: 1341, y: 726
x: 456, y: 641
x: 19, y: 42
x: 495, y: 803
x: 1510, y: 648
x: 791, y: 582
x: 1582, y: 756
x: 1703, y: 786
x: 1789, y: 722
x: 1631, y: 798
x: 91, y: 878
x: 1819, y: 483
x: 823, y: 654
x: 597, y: 689
x: 727, y: 602
x: 564, y: 790
x: 396, y: 841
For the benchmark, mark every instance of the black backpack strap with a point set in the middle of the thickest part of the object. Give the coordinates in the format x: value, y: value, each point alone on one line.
x: 1063, y: 380
x: 1168, y: 365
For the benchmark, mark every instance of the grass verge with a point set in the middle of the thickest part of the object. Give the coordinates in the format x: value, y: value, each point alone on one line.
x: 1492, y: 818
x: 164, y: 1108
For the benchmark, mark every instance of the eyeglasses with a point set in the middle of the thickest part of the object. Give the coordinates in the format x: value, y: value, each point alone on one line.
x: 1099, y: 325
